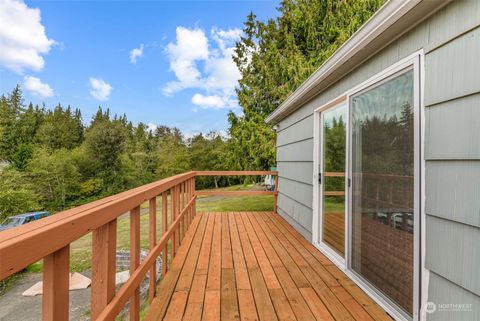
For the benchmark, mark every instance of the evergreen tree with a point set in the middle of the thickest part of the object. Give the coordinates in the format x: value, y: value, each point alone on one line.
x: 61, y: 128
x: 276, y: 56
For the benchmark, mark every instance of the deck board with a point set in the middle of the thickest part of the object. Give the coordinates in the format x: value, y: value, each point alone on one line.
x: 255, y: 266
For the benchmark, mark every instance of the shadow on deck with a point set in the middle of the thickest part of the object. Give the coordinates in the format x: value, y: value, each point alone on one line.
x: 255, y: 266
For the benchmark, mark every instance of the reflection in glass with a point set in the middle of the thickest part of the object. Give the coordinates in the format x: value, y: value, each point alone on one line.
x: 333, y: 211
x: 382, y: 187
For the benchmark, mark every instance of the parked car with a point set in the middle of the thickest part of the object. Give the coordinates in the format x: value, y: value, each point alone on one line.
x: 17, y: 220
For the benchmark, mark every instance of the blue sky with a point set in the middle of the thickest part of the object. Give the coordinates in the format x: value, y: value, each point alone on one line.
x: 160, y: 62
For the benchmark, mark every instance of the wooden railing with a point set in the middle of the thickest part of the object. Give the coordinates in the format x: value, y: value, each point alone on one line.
x: 50, y: 238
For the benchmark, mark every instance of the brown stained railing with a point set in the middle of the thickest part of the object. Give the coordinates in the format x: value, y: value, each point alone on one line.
x: 49, y: 239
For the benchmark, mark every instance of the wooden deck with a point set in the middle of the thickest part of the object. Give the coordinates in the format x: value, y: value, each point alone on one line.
x: 255, y: 266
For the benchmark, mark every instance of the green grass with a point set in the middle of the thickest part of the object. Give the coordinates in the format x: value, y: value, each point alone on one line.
x: 333, y: 205
x: 7, y: 283
x: 235, y: 204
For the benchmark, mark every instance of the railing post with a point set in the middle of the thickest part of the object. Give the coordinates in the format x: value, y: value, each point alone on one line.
x: 164, y: 230
x: 104, y: 246
x: 275, y: 197
x: 56, y: 277
x: 194, y: 204
x: 135, y: 260
x: 152, y: 236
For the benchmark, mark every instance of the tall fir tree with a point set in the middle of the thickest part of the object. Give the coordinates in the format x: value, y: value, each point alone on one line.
x: 276, y: 56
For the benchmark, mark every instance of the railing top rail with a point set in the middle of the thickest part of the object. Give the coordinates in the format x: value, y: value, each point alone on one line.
x: 234, y: 173
x: 29, y: 243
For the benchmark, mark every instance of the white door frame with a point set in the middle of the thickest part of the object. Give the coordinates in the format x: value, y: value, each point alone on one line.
x: 317, y: 231
x: 420, y: 295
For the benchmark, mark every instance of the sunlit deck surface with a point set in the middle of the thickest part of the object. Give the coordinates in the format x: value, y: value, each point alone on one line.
x: 255, y: 266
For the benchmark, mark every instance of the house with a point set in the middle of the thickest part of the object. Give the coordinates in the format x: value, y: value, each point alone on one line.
x: 378, y: 154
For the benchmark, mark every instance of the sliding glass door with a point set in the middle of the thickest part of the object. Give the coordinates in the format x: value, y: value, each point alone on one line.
x: 382, y: 190
x: 333, y: 149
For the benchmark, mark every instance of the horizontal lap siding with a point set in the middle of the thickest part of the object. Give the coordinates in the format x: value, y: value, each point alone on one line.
x: 296, y: 214
x: 444, y: 291
x: 453, y: 190
x: 295, y: 167
x: 297, y: 171
x: 301, y: 151
x: 300, y: 192
x: 452, y: 123
x: 451, y: 41
x: 456, y: 255
x: 453, y: 69
x: 452, y: 154
x: 296, y: 132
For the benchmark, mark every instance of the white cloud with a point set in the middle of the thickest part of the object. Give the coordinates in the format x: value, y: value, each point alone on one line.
x: 191, y: 46
x: 136, y: 53
x: 151, y: 127
x: 37, y: 87
x: 23, y: 41
x: 209, y: 69
x: 213, y: 101
x: 99, y: 89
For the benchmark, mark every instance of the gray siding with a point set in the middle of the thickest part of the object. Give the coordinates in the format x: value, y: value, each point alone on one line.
x: 453, y: 122
x: 444, y: 291
x: 450, y: 39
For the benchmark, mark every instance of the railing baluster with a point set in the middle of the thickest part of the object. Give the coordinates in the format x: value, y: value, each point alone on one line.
x: 135, y: 260
x: 56, y: 276
x: 164, y: 231
x: 173, y: 200
x: 179, y: 210
x: 152, y: 211
x: 178, y: 214
x: 184, y: 201
x: 187, y: 184
x: 104, y: 245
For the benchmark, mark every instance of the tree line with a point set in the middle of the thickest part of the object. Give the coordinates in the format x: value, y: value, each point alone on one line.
x: 51, y: 160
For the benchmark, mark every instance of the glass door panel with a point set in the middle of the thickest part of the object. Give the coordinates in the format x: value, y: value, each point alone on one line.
x: 382, y: 206
x: 333, y: 177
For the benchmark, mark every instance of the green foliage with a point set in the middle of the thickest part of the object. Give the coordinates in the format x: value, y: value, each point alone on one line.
x: 61, y: 128
x: 53, y: 161
x: 55, y: 177
x: 276, y: 56
x: 16, y: 194
x: 105, y: 141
